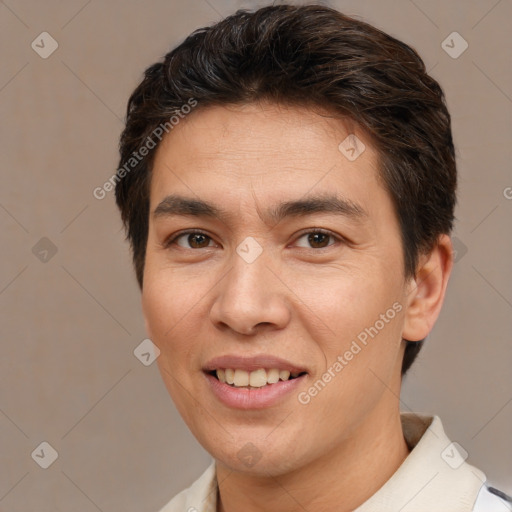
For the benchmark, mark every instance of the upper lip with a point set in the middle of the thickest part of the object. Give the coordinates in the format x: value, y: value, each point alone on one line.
x: 253, y: 363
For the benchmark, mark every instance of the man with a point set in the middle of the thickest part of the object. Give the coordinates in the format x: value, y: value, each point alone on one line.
x: 287, y: 182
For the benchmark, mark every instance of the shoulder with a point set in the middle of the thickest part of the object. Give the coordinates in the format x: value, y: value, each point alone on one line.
x: 490, y: 499
x: 201, y: 496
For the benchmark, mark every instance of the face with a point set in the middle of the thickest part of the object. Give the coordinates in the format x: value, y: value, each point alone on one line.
x: 270, y: 248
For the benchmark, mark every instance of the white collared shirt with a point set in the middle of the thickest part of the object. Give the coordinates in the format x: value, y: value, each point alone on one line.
x: 433, y: 478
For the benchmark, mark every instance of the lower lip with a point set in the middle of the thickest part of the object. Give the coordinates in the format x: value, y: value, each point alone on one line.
x: 253, y: 398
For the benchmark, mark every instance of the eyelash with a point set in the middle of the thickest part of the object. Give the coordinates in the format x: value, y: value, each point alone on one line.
x: 170, y: 241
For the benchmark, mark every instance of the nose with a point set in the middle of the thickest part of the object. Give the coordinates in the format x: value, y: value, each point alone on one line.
x: 250, y: 299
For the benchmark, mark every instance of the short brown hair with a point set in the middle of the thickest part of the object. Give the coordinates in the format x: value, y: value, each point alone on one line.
x: 307, y: 55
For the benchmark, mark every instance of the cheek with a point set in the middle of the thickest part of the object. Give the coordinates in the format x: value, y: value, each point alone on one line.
x: 166, y: 299
x: 158, y: 310
x: 171, y: 305
x: 343, y: 302
x: 166, y: 318
x: 358, y: 318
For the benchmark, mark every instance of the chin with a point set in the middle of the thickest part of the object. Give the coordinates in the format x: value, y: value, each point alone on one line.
x: 258, y: 458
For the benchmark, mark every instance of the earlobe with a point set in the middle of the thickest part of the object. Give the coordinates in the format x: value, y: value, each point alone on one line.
x: 427, y: 290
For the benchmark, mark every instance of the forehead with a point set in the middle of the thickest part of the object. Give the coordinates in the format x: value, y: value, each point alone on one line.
x: 233, y: 153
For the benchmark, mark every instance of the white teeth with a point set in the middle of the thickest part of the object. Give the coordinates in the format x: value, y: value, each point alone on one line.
x: 241, y: 378
x: 273, y: 376
x: 230, y: 375
x: 284, y: 374
x: 255, y: 379
x: 258, y: 378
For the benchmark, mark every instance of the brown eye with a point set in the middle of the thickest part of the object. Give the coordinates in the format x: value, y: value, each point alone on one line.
x: 317, y: 239
x: 193, y: 240
x: 198, y: 240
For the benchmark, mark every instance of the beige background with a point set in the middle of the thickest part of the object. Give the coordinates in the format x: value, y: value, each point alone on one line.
x: 68, y: 374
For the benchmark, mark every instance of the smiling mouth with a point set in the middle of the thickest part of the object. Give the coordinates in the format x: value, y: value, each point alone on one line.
x: 260, y: 378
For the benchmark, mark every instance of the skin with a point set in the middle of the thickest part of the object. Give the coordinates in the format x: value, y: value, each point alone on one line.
x: 302, y: 302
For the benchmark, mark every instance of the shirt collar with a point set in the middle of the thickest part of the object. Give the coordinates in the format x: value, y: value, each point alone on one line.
x: 434, y: 476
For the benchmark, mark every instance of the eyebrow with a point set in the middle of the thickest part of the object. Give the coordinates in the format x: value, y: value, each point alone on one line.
x: 176, y: 205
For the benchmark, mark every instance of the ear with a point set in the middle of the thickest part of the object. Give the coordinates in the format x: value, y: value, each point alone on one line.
x: 427, y: 289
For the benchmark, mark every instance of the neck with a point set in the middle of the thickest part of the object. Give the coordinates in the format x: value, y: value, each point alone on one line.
x: 340, y: 480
